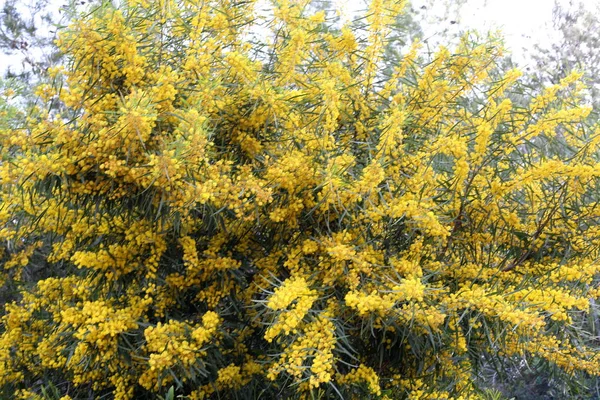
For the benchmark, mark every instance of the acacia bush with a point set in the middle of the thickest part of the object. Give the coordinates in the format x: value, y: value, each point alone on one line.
x: 194, y: 208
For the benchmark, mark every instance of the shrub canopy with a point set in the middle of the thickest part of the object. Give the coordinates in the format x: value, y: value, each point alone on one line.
x: 201, y: 206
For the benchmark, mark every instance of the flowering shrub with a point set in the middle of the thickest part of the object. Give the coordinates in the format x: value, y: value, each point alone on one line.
x: 211, y: 212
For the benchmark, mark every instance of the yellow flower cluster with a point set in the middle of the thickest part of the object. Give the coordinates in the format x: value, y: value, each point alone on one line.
x: 230, y: 377
x: 310, y: 356
x: 363, y: 374
x: 175, y: 344
x: 292, y: 290
x: 366, y: 305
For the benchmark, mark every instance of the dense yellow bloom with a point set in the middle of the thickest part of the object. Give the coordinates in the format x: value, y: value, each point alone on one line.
x: 220, y: 212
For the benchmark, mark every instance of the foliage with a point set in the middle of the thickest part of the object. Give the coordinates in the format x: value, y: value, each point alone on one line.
x: 211, y: 213
x: 10, y: 113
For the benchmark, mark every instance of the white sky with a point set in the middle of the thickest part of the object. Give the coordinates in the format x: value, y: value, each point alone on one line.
x: 523, y: 22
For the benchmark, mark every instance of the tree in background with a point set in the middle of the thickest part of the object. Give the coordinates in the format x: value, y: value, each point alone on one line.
x: 575, y: 46
x: 210, y: 217
x: 27, y: 30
